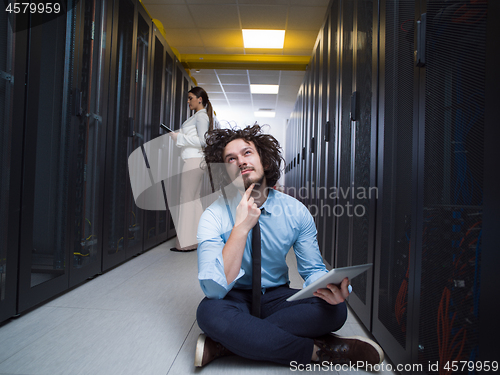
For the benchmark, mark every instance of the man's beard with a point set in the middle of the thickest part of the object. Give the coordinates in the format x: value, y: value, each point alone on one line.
x: 249, y: 182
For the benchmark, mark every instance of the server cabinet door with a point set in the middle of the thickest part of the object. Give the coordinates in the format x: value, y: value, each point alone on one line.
x: 10, y: 168
x: 395, y: 224
x: 330, y: 133
x: 165, y: 217
x: 154, y: 232
x: 343, y: 224
x: 136, y: 222
x: 47, y: 180
x: 120, y: 221
x: 449, y: 243
x: 90, y: 89
x: 363, y: 153
x: 315, y: 148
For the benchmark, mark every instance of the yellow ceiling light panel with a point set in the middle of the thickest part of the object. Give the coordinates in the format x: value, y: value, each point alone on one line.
x: 264, y: 89
x: 263, y: 38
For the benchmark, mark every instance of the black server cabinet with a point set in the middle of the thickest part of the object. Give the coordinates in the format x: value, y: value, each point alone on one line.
x: 158, y: 222
x: 152, y: 127
x: 322, y: 155
x: 182, y: 86
x: 304, y: 141
x: 137, y: 230
x: 432, y: 176
x: 488, y: 331
x: 355, y: 192
x: 91, y: 58
x: 180, y: 114
x: 123, y: 220
x: 411, y: 112
x: 168, y: 120
x: 451, y: 181
x: 47, y: 163
x: 12, y: 70
x: 315, y: 149
x: 329, y: 136
x: 394, y: 273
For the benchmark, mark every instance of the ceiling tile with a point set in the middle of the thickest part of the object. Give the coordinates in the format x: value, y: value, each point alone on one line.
x: 234, y: 79
x: 184, y: 37
x: 264, y: 104
x: 172, y: 16
x: 295, y: 39
x: 297, y: 52
x: 236, y: 88
x: 212, y: 88
x: 306, y: 18
x: 215, y: 16
x: 230, y: 71
x: 188, y: 50
x: 217, y: 96
x: 218, y: 103
x: 291, y: 80
x: 263, y: 17
x: 265, y: 79
x: 220, y: 37
x: 263, y: 72
x: 287, y: 90
x: 204, y: 78
x: 240, y: 97
x: 265, y: 97
x: 286, y: 73
x: 221, y: 50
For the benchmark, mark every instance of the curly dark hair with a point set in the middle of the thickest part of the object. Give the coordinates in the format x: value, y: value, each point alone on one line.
x: 267, y: 146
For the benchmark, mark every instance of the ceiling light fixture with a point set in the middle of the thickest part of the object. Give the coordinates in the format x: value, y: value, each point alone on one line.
x: 263, y: 38
x: 264, y: 89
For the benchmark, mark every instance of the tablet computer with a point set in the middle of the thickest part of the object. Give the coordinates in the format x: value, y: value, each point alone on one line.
x: 335, y: 276
x: 166, y: 128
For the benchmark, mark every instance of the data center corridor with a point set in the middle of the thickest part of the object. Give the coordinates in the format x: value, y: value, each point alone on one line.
x: 137, y: 319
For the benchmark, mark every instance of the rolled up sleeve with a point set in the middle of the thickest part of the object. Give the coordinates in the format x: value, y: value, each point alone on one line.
x: 210, y: 262
x: 309, y: 262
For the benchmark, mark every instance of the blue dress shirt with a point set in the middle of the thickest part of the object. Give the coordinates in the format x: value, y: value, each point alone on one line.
x: 284, y: 222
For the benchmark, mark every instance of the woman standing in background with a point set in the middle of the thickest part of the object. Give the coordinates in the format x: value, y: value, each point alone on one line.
x: 191, y: 138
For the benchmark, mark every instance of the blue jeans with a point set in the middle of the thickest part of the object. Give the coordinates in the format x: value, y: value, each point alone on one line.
x: 283, y: 334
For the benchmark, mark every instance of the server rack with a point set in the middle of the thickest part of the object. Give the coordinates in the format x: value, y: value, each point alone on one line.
x: 47, y: 157
x: 418, y: 135
x: 77, y: 103
x: 118, y: 217
x: 90, y: 24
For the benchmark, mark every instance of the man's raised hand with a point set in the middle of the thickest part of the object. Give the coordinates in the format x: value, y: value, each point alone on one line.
x: 247, y: 212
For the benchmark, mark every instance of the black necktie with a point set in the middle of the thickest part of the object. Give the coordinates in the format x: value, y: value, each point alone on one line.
x: 256, y: 288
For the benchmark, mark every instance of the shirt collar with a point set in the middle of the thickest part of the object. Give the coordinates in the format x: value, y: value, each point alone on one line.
x: 266, y: 208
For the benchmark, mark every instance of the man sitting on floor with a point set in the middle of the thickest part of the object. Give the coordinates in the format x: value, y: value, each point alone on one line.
x: 285, y: 332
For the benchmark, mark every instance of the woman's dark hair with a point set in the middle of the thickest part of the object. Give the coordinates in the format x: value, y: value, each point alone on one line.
x: 267, y: 146
x: 199, y: 92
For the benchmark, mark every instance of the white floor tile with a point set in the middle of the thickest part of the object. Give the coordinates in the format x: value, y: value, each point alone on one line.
x: 104, y: 342
x: 19, y: 333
